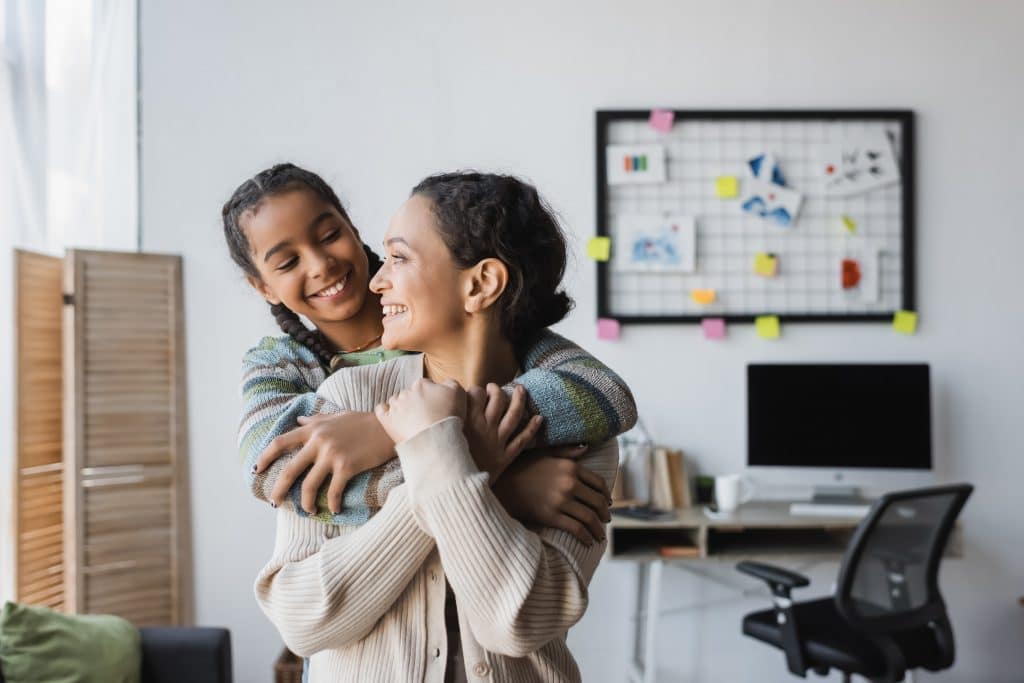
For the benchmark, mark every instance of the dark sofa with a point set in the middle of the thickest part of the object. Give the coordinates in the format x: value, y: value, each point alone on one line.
x: 173, y: 655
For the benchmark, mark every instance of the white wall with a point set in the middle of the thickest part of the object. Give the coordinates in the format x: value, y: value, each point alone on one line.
x: 374, y: 96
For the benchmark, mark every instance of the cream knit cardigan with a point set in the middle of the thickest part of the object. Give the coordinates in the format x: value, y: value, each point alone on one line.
x: 366, y: 603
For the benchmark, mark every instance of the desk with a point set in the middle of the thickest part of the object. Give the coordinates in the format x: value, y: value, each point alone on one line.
x: 763, y: 530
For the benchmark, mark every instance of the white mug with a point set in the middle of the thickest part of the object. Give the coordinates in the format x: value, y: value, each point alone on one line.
x: 731, y: 491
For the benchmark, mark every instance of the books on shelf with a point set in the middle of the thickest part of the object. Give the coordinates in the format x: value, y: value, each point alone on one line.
x: 670, y: 485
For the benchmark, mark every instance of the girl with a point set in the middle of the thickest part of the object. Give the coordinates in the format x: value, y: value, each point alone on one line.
x: 293, y: 239
x: 473, y: 267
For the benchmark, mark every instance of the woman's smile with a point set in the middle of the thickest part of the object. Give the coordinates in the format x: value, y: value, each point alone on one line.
x: 392, y: 311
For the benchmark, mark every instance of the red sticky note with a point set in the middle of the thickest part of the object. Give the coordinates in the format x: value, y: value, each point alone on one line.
x: 662, y: 119
x: 608, y: 329
x: 714, y: 328
x: 851, y: 273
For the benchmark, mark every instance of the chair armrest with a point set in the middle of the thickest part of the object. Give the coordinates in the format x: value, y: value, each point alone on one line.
x: 780, y: 582
x: 198, y: 655
x: 775, y: 576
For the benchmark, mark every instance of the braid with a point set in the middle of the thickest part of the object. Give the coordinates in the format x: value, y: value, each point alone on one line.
x: 290, y: 324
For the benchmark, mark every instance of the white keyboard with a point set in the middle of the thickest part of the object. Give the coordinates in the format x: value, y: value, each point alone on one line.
x: 828, y: 510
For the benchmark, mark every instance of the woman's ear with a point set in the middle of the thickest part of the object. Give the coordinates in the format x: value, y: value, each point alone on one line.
x: 485, y: 283
x: 262, y: 288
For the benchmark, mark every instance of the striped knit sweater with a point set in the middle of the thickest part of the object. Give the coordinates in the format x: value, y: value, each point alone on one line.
x: 580, y: 398
x: 366, y: 603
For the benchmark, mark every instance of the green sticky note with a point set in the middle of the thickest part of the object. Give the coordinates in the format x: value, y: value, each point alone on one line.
x: 905, y: 322
x: 767, y: 326
x: 726, y: 187
x: 599, y: 248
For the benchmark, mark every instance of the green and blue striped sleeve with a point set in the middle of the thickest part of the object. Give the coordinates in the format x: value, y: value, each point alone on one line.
x: 581, y: 399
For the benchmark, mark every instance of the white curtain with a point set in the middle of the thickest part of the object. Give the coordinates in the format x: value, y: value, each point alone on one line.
x: 92, y: 171
x: 68, y: 158
x: 23, y: 124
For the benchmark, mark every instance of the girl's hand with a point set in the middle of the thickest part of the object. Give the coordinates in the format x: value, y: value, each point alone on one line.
x: 491, y: 421
x: 341, y: 445
x: 549, y: 488
x: 419, y: 406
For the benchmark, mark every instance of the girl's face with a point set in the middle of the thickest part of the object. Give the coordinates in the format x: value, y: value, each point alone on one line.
x: 422, y: 289
x: 309, y: 257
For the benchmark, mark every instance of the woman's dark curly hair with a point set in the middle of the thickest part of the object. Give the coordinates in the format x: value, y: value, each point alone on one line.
x: 247, y: 198
x: 484, y: 215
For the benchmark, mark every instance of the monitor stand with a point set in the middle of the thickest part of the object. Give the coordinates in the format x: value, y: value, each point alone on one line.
x: 837, y: 495
x: 833, y: 501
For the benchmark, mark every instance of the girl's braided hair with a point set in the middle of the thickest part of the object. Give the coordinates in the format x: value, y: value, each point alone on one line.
x: 249, y: 195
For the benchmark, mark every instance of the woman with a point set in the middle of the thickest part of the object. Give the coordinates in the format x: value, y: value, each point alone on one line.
x: 473, y: 267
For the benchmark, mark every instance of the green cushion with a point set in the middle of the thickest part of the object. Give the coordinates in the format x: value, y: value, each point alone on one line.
x: 38, y: 644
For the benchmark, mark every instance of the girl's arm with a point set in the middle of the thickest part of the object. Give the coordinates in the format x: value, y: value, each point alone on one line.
x: 582, y: 400
x: 326, y: 586
x: 279, y: 382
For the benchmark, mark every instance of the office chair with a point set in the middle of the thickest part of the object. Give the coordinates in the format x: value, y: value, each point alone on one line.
x: 886, y: 617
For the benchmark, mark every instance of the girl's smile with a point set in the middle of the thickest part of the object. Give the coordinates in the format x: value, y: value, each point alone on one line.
x: 333, y: 292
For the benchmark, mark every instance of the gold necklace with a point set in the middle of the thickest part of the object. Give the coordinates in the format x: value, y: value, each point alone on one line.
x: 362, y: 347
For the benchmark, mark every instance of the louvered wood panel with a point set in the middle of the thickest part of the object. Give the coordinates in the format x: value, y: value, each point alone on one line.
x: 38, y: 513
x: 126, y: 520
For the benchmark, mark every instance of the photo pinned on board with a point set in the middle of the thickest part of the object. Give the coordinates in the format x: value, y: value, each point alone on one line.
x: 858, y: 163
x: 656, y: 243
x: 765, y: 193
x: 635, y: 164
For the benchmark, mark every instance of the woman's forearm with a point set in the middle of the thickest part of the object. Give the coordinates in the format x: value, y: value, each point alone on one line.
x: 518, y: 589
x: 326, y: 588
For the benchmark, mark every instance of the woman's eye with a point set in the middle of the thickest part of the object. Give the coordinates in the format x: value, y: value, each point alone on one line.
x: 288, y: 264
x: 395, y: 257
x: 331, y: 236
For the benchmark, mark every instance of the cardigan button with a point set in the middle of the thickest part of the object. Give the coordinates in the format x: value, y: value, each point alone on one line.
x: 481, y: 669
x: 437, y: 652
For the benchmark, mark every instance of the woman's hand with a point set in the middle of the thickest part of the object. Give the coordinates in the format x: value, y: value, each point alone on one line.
x: 491, y: 421
x: 340, y: 445
x: 549, y: 488
x: 419, y: 406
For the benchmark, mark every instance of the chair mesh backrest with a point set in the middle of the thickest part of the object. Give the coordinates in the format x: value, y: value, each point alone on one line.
x: 892, y: 567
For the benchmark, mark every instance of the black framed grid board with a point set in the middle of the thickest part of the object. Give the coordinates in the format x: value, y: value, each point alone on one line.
x: 804, y: 215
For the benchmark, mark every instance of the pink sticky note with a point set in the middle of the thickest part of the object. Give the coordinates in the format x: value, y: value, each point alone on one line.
x: 662, y: 119
x: 714, y: 328
x: 608, y: 329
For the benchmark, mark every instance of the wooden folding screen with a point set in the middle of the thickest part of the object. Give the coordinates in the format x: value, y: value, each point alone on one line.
x: 125, y: 521
x: 38, y: 500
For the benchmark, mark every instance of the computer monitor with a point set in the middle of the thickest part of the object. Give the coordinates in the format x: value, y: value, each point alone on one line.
x: 839, y: 424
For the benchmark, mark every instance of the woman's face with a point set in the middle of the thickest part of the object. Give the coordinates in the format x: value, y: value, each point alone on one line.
x: 420, y: 285
x: 309, y: 257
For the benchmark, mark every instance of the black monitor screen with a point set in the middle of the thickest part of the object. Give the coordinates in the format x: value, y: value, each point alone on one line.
x: 839, y: 416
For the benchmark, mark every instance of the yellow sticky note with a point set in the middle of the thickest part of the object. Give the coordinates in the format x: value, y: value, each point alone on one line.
x: 726, y: 187
x: 905, y: 322
x: 848, y: 223
x: 766, y: 265
x: 767, y: 326
x: 702, y: 296
x: 599, y: 248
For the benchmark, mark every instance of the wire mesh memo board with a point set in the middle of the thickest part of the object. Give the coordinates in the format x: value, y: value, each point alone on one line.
x: 874, y: 229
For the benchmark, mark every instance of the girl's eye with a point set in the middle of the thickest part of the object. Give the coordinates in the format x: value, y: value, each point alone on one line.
x: 288, y: 264
x: 396, y: 257
x: 331, y: 236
